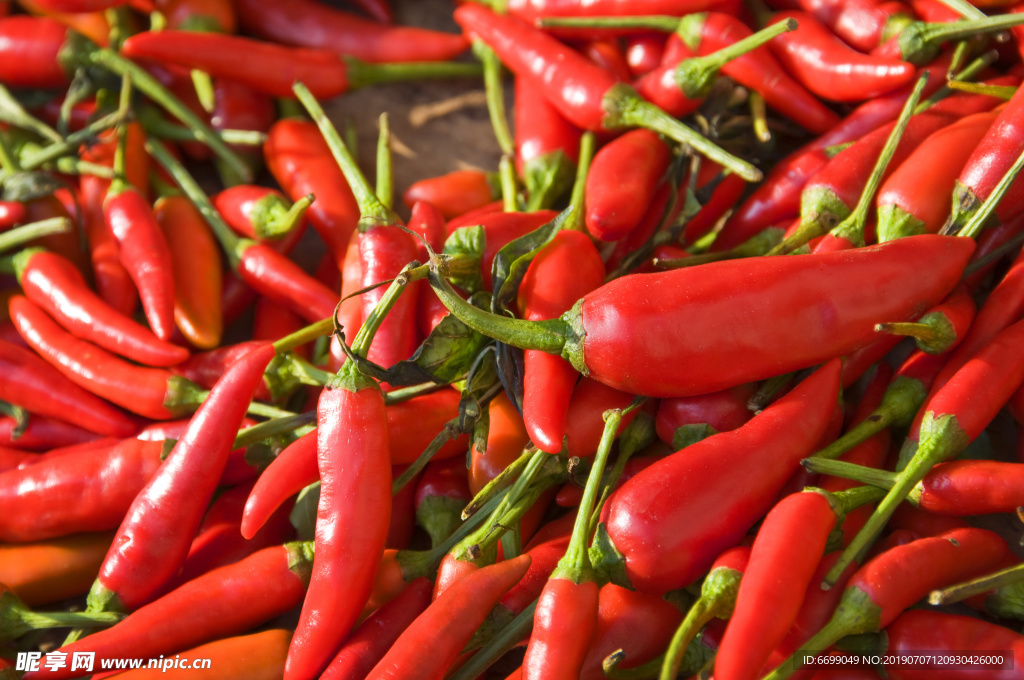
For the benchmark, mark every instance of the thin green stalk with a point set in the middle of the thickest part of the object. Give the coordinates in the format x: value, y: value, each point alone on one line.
x: 976, y: 224
x: 517, y: 630
x: 495, y: 96
x: 509, y: 184
x: 29, y: 232
x: 972, y: 70
x: 304, y: 335
x: 273, y: 428
x: 385, y: 179
x: 370, y: 206
x: 588, y: 144
x: 13, y: 113
x: 977, y: 586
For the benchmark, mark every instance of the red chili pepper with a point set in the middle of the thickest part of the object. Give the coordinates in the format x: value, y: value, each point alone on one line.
x: 441, y: 494
x: 785, y: 554
x: 144, y: 253
x: 624, y: 346
x: 607, y: 54
x: 583, y: 422
x: 991, y: 240
x: 654, y: 218
x: 372, y: 639
x: 862, y: 24
x: 352, y: 516
x: 942, y: 328
x: 623, y: 178
x: 918, y: 42
x: 448, y: 623
x: 197, y: 271
x: 238, y: 597
x: 54, y: 284
x: 384, y: 250
x: 314, y: 24
x: 644, y: 53
x: 587, y: 95
x: 150, y: 392
x: 500, y: 228
x: 640, y: 514
x: 544, y: 558
x: 454, y: 193
x: 275, y: 276
x: 262, y: 214
x: 26, y: 495
x: 29, y: 56
x: 922, y: 629
x: 564, y: 270
x: 39, y: 388
x: 909, y: 202
x: 893, y: 581
x: 506, y: 438
x: 991, y: 159
x: 830, y: 69
x: 708, y: 414
x: 640, y: 625
x: 273, y: 321
x: 152, y: 543
x: 545, y: 140
x: 299, y: 159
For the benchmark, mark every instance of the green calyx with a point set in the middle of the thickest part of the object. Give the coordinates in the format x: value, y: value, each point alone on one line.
x: 933, y: 332
x: 717, y: 600
x: 920, y: 42
x: 821, y: 210
x: 439, y: 516
x: 547, y: 178
x: 300, y: 559
x: 856, y: 614
x: 102, y: 599
x: 608, y: 563
x: 16, y: 619
x: 272, y: 217
x: 349, y: 378
x: 965, y: 204
x: 182, y: 395
x: 894, y: 222
x: 686, y: 435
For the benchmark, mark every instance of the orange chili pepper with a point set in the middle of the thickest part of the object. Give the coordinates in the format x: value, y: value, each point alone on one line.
x: 259, y: 656
x: 53, y: 570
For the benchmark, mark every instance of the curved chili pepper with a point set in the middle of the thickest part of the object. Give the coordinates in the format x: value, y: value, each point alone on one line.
x: 613, y: 336
x: 48, y: 571
x: 454, y: 193
x: 150, y: 392
x: 991, y: 159
x: 299, y: 159
x: 54, y: 284
x: 448, y: 623
x: 547, y: 145
x: 272, y: 69
x: 138, y: 567
x: 862, y: 24
x: 197, y: 271
x: 891, y: 582
x: 639, y: 513
x: 238, y: 597
x: 441, y: 494
x: 544, y: 557
x: 144, y: 254
x: 784, y: 557
x: 30, y: 513
x: 622, y: 180
x: 314, y: 24
x: 29, y: 57
x: 587, y: 95
x: 707, y: 414
x: 565, y: 269
x: 275, y: 276
x: 372, y: 639
x: 941, y: 329
x: 907, y: 201
x: 41, y: 434
x: 383, y: 251
x: 40, y: 388
x: 583, y: 422
x: 828, y: 68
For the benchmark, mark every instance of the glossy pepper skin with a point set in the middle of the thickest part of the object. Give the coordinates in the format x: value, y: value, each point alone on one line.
x: 150, y: 392
x: 237, y: 598
x: 52, y: 570
x: 26, y: 495
x: 29, y: 57
x: 645, y: 516
x: 298, y: 158
x: 154, y: 539
x: 621, y: 183
x: 733, y: 295
x: 257, y: 656
x: 566, y: 269
x: 352, y: 518
x: 830, y: 69
x: 40, y: 388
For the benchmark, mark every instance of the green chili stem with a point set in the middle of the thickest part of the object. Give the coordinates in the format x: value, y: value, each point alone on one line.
x: 858, y: 473
x: 852, y: 228
x: 495, y: 97
x: 982, y: 584
x: 942, y: 32
x: 411, y: 272
x: 203, y: 84
x: 385, y: 178
x: 577, y: 199
x: 976, y: 224
x: 964, y: 9
x: 273, y: 428
x: 158, y: 93
x: 502, y: 481
x: 22, y: 235
x: 370, y: 206
x: 1000, y: 91
x: 13, y: 113
x: 969, y: 72
x: 759, y: 115
x: 509, y: 184
x: 695, y: 76
x: 304, y: 335
x: 665, y: 24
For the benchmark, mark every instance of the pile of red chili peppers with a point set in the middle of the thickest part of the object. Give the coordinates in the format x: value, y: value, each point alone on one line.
x: 719, y: 373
